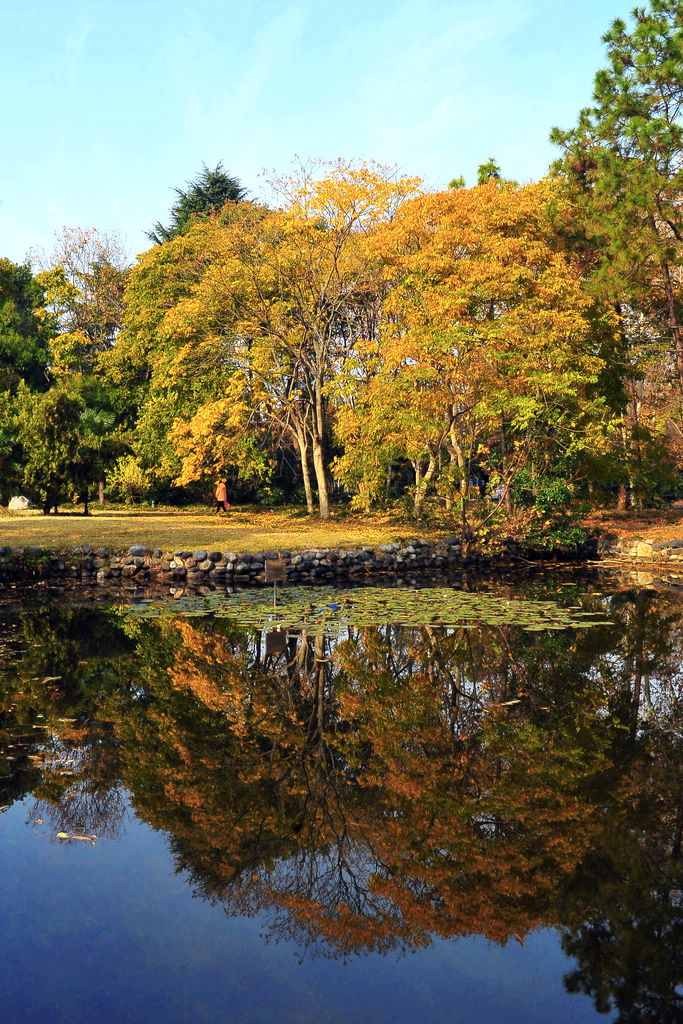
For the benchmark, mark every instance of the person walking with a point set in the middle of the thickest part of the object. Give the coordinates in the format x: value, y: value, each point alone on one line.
x: 221, y: 498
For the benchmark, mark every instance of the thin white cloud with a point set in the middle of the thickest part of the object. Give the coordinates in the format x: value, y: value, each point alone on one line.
x: 75, y: 45
x: 248, y: 70
x: 429, y: 64
x: 272, y: 47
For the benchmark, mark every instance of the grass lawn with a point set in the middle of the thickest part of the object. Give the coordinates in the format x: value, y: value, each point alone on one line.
x: 243, y: 529
x: 246, y: 528
x: 657, y: 524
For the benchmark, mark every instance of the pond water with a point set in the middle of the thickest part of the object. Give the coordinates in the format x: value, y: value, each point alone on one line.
x: 455, y: 803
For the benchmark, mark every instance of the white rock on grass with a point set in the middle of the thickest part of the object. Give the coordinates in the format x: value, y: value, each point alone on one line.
x: 19, y: 503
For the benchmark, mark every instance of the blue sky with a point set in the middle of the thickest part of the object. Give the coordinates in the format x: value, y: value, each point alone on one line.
x: 107, y: 104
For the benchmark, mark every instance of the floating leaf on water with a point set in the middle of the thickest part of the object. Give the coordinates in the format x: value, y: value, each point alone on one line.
x: 81, y: 839
x: 315, y: 610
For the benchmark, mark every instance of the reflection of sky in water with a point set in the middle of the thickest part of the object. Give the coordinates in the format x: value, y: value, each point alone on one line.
x: 110, y: 934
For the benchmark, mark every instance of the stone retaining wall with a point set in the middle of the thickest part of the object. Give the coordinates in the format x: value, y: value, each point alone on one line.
x: 638, y: 551
x: 139, y: 564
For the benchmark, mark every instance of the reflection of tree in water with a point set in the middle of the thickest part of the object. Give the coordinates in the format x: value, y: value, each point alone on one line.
x: 389, y: 794
x: 621, y: 918
x: 80, y: 790
x: 628, y: 940
x: 405, y: 783
x: 53, y: 741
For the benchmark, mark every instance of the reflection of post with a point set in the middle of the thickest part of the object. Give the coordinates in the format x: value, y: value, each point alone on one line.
x: 275, y: 571
x: 319, y: 669
x: 276, y: 642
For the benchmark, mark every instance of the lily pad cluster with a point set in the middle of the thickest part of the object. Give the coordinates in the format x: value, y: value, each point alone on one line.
x: 318, y: 611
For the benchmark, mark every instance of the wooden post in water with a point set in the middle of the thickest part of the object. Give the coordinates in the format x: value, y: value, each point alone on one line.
x: 275, y: 571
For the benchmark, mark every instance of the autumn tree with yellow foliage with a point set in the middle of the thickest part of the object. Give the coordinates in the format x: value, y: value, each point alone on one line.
x: 487, y: 351
x: 294, y: 291
x: 371, y: 331
x: 451, y: 331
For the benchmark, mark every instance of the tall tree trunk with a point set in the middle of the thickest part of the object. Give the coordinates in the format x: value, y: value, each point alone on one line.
x: 505, y: 467
x: 417, y: 468
x: 634, y: 443
x: 673, y: 323
x: 623, y: 501
x: 320, y: 476
x: 458, y: 458
x: 422, y: 483
x: 86, y: 510
x: 319, y: 451
x: 625, y: 490
x: 100, y: 492
x: 302, y: 443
